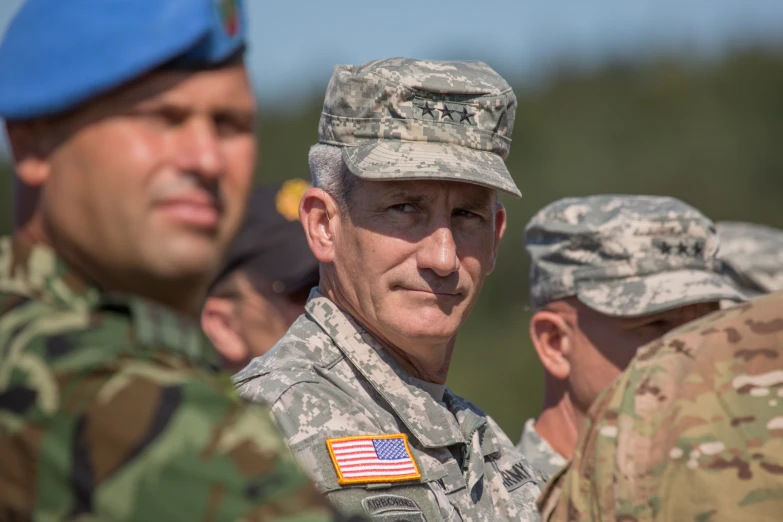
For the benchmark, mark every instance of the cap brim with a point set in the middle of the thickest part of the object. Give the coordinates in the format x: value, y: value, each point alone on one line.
x: 645, y: 295
x: 388, y: 159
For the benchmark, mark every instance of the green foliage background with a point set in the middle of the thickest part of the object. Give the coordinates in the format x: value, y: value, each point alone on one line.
x: 708, y: 134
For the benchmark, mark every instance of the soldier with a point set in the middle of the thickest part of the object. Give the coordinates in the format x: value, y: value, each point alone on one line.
x: 131, y: 127
x: 608, y: 274
x: 406, y: 223
x: 752, y: 256
x: 266, y: 276
x: 690, y: 432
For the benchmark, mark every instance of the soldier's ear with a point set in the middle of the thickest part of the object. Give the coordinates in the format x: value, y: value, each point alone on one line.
x: 319, y: 214
x: 28, y: 149
x: 551, y: 339
x: 219, y: 322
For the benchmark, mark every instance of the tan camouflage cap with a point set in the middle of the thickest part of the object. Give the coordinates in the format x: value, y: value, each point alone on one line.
x: 752, y: 256
x: 401, y: 118
x: 692, y: 431
x: 625, y: 256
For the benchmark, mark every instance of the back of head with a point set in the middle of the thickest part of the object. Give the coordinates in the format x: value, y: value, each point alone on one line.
x: 692, y: 430
x: 752, y: 256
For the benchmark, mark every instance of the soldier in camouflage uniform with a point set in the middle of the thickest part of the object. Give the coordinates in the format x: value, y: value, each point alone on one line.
x: 608, y: 274
x: 128, y: 182
x: 406, y: 223
x: 691, y: 432
x: 752, y: 256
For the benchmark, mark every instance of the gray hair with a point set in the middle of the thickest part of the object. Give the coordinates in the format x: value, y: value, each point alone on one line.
x: 330, y: 173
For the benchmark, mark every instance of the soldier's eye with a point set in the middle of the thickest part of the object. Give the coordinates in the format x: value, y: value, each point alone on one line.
x: 405, y: 208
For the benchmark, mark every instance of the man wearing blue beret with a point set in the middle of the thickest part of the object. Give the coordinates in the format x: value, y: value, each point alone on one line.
x: 131, y: 124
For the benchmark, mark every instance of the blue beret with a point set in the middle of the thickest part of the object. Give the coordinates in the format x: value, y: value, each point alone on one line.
x: 60, y: 53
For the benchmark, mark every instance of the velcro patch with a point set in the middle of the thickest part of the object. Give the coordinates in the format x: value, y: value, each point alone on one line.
x: 515, y: 476
x: 368, y: 459
x: 392, y: 507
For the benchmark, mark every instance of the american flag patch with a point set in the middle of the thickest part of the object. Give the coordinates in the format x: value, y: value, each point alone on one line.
x: 373, y: 458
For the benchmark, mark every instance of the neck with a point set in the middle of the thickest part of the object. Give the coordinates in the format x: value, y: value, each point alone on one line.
x: 426, y: 361
x: 184, y: 296
x: 560, y: 420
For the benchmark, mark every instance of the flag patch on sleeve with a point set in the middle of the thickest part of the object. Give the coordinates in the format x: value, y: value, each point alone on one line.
x: 373, y: 458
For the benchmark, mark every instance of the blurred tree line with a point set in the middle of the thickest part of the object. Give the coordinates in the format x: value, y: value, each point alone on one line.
x: 703, y: 133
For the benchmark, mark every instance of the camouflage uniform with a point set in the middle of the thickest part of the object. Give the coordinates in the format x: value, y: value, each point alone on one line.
x: 752, y: 256
x: 541, y: 455
x: 692, y: 431
x: 328, y: 378
x: 111, y: 409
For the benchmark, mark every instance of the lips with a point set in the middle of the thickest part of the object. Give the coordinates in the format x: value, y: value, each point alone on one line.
x: 198, y: 211
x: 435, y: 293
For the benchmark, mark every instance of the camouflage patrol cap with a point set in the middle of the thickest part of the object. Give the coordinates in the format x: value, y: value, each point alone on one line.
x: 691, y: 431
x: 401, y: 118
x: 752, y: 256
x: 624, y: 255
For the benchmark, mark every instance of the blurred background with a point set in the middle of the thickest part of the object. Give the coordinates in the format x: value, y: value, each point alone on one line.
x: 669, y: 97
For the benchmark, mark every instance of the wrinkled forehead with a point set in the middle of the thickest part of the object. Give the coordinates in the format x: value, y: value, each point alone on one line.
x: 427, y: 190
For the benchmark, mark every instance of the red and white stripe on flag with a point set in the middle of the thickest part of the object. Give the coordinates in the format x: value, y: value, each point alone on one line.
x: 373, y: 458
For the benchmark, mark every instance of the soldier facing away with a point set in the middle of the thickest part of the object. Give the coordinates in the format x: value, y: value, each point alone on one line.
x: 609, y: 274
x: 406, y: 223
x: 691, y: 432
x: 266, y: 277
x: 131, y: 127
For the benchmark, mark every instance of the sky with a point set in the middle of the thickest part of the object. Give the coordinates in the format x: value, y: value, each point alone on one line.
x: 295, y: 44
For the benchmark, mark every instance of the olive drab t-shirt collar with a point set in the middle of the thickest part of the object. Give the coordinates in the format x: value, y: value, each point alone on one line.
x: 34, y: 271
x: 398, y: 388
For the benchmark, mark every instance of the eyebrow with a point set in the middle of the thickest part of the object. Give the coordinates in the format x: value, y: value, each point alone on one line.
x: 409, y: 196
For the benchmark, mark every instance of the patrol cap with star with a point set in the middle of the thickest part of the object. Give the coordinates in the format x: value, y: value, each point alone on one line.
x: 58, y: 54
x: 625, y: 256
x: 401, y: 118
x: 752, y: 256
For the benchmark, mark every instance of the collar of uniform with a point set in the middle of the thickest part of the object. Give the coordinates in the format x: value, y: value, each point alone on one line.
x: 388, y: 378
x: 157, y: 327
x: 35, y: 272
x: 532, y: 442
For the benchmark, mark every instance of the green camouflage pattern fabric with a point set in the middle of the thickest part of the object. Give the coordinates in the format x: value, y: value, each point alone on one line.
x: 328, y: 377
x: 752, y: 256
x: 401, y: 118
x: 111, y: 409
x: 541, y: 455
x: 691, y: 432
x: 625, y: 255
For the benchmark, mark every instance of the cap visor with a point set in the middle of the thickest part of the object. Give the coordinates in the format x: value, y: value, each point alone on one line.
x: 390, y: 160
x: 645, y: 295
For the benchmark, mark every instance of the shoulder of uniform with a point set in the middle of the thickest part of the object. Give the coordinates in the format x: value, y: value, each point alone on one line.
x: 298, y: 357
x: 267, y: 378
x: 158, y: 425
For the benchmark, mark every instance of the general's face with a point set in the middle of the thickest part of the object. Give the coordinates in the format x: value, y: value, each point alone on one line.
x: 411, y: 256
x: 153, y: 179
x: 603, y: 346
